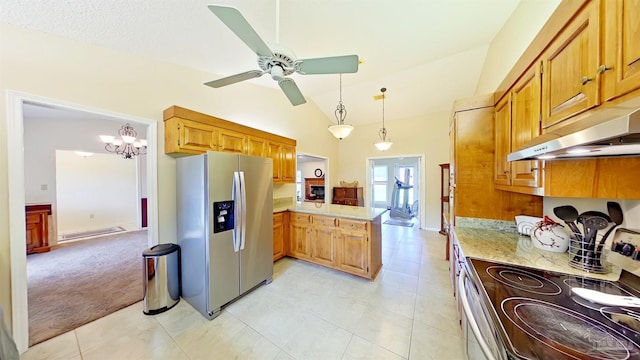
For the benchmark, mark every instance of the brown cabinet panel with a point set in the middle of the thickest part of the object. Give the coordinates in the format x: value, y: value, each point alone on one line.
x: 288, y: 163
x: 621, y: 54
x: 189, y: 137
x: 300, y: 240
x: 279, y: 249
x: 611, y: 178
x: 324, y: 245
x: 570, y: 84
x: 502, y: 175
x: 353, y: 252
x: 231, y: 141
x: 37, y: 229
x: 256, y: 146
x: 525, y: 126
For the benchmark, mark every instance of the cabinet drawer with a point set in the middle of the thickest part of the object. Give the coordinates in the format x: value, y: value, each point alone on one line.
x: 353, y: 225
x: 324, y: 221
x: 300, y: 218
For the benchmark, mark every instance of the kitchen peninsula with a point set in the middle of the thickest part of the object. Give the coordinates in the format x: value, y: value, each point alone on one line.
x: 345, y: 238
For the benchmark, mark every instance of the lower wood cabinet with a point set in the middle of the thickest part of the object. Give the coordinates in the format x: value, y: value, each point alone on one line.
x: 279, y: 243
x: 37, y: 229
x: 349, y: 245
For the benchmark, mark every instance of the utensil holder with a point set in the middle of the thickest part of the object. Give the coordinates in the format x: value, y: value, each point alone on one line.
x: 584, y: 257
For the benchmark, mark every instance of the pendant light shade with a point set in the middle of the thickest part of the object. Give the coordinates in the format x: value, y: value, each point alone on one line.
x: 383, y: 144
x: 341, y: 130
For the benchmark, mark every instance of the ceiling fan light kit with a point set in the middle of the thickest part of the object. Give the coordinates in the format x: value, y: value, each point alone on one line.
x: 383, y: 144
x: 278, y: 62
x: 341, y: 130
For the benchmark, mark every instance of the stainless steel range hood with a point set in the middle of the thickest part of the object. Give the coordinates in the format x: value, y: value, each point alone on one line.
x: 613, y: 132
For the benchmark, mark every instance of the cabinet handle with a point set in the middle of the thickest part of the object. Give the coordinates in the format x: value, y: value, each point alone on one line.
x: 506, y: 171
x: 585, y: 80
x: 534, y: 169
x: 603, y: 68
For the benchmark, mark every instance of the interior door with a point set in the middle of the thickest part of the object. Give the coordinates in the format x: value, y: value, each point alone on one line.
x: 256, y: 260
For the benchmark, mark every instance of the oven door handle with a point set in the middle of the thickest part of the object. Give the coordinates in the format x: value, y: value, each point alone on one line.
x: 469, y: 314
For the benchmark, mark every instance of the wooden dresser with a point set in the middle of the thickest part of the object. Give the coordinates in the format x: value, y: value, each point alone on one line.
x: 348, y: 196
x: 37, y: 227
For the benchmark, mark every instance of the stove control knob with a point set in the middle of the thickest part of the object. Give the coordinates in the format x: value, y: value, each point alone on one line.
x: 627, y: 249
x: 636, y: 255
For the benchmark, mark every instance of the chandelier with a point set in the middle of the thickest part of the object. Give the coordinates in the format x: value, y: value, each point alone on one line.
x: 127, y: 146
x: 341, y: 130
x: 384, y: 143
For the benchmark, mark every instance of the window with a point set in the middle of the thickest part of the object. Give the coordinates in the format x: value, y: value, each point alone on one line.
x: 380, y: 184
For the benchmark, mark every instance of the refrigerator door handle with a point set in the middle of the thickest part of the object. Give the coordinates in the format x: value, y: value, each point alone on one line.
x: 243, y: 210
x: 236, y: 196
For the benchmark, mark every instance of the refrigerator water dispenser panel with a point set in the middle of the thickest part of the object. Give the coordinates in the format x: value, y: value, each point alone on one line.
x: 223, y: 216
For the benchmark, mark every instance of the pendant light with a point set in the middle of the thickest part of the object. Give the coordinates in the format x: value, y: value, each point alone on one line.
x: 384, y: 143
x: 340, y: 131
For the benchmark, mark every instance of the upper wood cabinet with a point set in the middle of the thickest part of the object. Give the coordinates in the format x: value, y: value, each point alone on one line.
x: 191, y: 132
x: 232, y: 141
x: 503, y: 141
x: 525, y: 125
x: 570, y: 84
x: 621, y: 48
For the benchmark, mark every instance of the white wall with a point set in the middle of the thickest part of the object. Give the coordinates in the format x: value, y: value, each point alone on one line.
x: 512, y: 40
x: 95, y: 192
x: 308, y: 168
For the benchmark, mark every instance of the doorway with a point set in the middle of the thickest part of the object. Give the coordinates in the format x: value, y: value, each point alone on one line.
x: 383, y: 175
x: 311, y: 173
x: 16, y: 177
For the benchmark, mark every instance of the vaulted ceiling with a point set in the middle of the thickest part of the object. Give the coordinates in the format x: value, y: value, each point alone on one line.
x: 425, y: 52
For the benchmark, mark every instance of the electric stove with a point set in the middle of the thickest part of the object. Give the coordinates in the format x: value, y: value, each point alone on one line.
x: 537, y: 315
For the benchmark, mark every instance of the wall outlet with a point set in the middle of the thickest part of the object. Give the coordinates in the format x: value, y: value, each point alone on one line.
x: 44, y: 187
x: 91, y: 216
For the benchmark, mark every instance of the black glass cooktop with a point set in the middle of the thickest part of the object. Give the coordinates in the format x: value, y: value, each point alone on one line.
x: 541, y: 318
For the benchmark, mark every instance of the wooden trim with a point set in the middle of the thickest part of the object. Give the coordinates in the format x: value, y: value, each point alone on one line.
x: 558, y: 20
x: 182, y: 113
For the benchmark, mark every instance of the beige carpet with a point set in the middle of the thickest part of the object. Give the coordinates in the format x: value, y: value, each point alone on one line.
x: 83, y: 281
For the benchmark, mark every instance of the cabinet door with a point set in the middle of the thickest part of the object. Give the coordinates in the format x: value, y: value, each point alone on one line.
x: 299, y: 244
x: 503, y: 141
x: 278, y: 236
x: 525, y: 125
x: 288, y: 163
x: 275, y: 153
x: 324, y: 245
x: 256, y: 146
x: 189, y: 137
x: 570, y: 84
x: 231, y: 141
x: 621, y: 47
x: 353, y: 252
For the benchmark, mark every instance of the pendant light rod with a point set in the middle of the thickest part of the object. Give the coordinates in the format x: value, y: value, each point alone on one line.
x: 383, y: 144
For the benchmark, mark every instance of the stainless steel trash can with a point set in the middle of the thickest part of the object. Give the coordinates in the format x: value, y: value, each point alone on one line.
x: 161, y: 281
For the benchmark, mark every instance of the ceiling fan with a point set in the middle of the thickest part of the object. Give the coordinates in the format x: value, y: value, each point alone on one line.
x: 279, y: 62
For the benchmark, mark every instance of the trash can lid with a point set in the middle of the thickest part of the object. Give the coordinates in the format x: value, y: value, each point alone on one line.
x: 161, y: 249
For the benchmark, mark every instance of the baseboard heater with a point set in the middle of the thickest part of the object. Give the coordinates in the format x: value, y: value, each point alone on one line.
x: 83, y: 234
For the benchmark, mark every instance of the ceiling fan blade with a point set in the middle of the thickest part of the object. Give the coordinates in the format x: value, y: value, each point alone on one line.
x: 252, y: 74
x: 328, y: 65
x: 240, y: 26
x: 290, y: 89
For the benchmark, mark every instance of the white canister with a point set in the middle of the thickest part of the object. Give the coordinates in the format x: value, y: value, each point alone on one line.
x: 550, y: 237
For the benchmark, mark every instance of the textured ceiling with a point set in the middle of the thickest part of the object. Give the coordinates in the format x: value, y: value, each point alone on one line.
x: 425, y: 52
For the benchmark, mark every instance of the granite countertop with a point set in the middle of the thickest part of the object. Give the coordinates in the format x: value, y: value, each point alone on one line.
x: 511, y: 248
x: 343, y: 211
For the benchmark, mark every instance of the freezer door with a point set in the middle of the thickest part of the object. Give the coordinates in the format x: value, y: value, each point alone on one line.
x: 224, y: 261
x: 256, y: 260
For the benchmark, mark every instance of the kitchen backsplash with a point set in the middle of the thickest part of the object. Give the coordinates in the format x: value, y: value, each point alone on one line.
x: 487, y: 224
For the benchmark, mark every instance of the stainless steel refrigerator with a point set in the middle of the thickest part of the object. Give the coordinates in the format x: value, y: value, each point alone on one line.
x: 225, y: 227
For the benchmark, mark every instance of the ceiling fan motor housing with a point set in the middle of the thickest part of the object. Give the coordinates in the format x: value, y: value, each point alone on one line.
x: 282, y: 59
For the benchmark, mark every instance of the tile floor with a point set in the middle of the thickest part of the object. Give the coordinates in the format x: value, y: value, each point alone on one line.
x: 308, y: 312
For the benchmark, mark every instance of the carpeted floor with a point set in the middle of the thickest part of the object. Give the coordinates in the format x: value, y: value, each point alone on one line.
x: 83, y: 281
